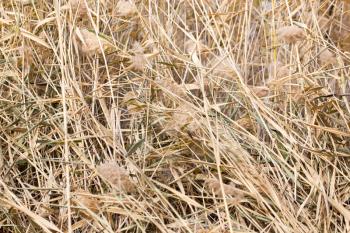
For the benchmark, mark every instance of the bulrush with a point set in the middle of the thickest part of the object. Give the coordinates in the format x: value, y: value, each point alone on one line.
x: 117, y: 176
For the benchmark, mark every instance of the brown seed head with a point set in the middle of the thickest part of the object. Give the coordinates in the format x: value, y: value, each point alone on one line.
x: 116, y: 176
x: 290, y: 34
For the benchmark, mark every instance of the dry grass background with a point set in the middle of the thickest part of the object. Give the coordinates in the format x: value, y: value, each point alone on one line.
x: 174, y: 116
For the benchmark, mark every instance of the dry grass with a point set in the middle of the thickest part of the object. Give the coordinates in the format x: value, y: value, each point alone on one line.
x: 174, y: 116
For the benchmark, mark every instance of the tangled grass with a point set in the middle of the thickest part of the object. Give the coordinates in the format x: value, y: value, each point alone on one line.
x: 174, y: 116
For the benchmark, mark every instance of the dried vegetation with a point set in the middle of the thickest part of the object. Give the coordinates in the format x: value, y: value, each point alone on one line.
x: 174, y: 116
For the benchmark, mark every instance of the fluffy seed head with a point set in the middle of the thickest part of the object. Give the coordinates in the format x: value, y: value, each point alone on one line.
x: 171, y: 86
x: 84, y: 198
x: 90, y: 42
x: 222, y: 66
x: 116, y: 176
x: 138, y: 62
x: 246, y: 122
x: 126, y: 8
x: 260, y: 91
x: 194, y: 46
x: 290, y: 34
x: 277, y: 72
x: 213, y: 185
x: 327, y: 57
x: 130, y: 95
x: 139, y: 59
x: 138, y: 48
x: 182, y: 120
